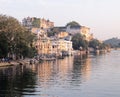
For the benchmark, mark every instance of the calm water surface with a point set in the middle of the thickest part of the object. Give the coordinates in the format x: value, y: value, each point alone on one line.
x: 91, y: 76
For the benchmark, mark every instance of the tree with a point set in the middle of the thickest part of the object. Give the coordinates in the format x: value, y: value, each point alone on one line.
x: 94, y: 43
x: 50, y: 33
x: 102, y: 46
x: 14, y: 37
x: 78, y: 41
x: 3, y: 45
x: 36, y: 22
x: 73, y: 23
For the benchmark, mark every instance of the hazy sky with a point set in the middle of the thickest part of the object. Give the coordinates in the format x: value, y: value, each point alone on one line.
x: 102, y: 16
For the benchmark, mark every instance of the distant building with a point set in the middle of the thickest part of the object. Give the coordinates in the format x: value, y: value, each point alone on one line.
x: 80, y: 29
x: 44, y: 46
x: 66, y: 46
x: 62, y: 45
x: 73, y: 29
x: 40, y: 27
x: 43, y: 43
x: 37, y: 23
x: 86, y: 32
x: 53, y: 45
x: 35, y: 30
x: 27, y: 22
x: 61, y: 40
x: 46, y: 24
x: 60, y: 32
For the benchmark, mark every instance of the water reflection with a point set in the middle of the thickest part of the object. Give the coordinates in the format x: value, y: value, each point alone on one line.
x: 47, y: 79
x: 74, y: 76
x: 81, y: 69
x: 59, y: 76
x: 16, y: 81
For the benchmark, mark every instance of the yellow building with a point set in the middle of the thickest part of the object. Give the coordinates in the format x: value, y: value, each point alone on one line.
x: 31, y: 22
x: 47, y: 46
x: 46, y: 24
x: 35, y: 30
x: 64, y: 45
x: 60, y: 45
x: 43, y: 44
x: 62, y: 34
x: 85, y: 31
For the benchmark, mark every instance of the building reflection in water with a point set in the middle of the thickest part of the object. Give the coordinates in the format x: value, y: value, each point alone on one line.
x: 64, y: 71
x: 54, y: 72
x: 82, y: 67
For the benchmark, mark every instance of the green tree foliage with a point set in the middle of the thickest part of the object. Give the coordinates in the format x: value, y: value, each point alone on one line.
x: 36, y: 22
x: 14, y: 38
x: 73, y: 23
x: 3, y: 45
x: 50, y: 33
x: 102, y: 46
x: 53, y: 31
x: 78, y: 41
x: 96, y: 44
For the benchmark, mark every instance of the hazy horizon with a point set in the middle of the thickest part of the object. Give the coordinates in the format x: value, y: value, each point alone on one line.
x: 101, y: 16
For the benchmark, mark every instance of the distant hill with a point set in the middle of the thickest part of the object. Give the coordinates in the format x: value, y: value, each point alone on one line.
x: 114, y: 42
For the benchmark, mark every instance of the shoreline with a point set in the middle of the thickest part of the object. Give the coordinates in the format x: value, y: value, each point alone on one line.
x: 18, y: 62
x: 13, y: 63
x: 4, y: 64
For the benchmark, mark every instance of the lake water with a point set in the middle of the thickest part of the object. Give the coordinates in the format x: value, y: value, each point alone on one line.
x: 75, y: 76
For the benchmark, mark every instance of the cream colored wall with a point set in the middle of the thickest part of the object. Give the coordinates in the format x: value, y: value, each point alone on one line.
x: 62, y: 34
